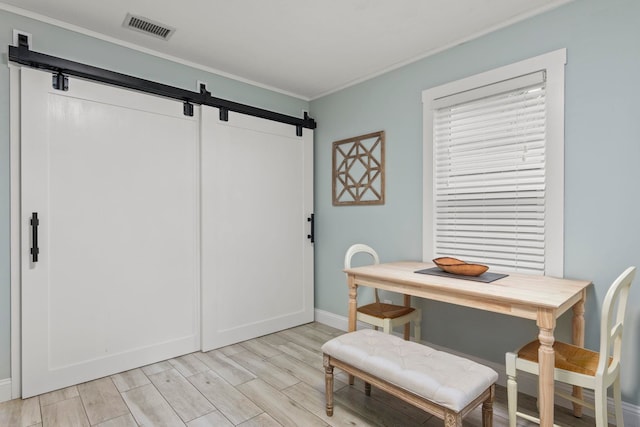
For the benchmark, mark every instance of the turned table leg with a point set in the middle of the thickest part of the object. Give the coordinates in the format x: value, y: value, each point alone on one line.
x: 546, y: 359
x: 353, y: 306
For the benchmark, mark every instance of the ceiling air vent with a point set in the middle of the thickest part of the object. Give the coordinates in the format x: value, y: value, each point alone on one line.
x: 147, y: 26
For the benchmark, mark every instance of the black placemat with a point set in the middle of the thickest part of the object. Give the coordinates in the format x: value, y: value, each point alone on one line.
x: 484, y: 277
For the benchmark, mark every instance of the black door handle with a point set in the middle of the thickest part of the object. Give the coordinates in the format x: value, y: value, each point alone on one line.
x: 34, y: 237
x: 312, y: 235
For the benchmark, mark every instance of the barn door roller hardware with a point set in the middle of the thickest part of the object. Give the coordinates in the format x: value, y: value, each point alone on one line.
x: 59, y: 81
x: 64, y: 67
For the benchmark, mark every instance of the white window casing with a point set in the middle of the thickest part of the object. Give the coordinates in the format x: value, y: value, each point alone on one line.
x: 493, y: 149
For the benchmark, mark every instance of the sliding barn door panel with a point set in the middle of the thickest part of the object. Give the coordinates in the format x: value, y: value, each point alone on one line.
x: 257, y: 193
x: 114, y: 178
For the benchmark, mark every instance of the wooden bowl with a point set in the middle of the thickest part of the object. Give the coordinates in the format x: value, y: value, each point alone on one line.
x: 456, y: 266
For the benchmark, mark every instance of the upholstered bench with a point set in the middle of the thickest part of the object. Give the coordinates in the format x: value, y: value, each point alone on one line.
x: 439, y: 383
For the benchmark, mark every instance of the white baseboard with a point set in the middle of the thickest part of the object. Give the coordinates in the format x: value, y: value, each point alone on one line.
x: 331, y: 319
x: 527, y: 383
x: 5, y: 390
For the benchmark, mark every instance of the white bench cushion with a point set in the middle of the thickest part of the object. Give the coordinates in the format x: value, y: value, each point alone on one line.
x: 448, y: 380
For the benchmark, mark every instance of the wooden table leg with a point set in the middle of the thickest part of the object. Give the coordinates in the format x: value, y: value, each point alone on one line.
x: 407, y: 326
x: 546, y: 359
x: 578, y: 339
x: 353, y: 305
x: 353, y: 301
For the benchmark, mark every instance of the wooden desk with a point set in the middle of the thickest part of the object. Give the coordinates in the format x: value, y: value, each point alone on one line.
x: 538, y: 298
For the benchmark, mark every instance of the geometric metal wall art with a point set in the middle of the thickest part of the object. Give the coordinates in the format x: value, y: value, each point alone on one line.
x: 358, y: 170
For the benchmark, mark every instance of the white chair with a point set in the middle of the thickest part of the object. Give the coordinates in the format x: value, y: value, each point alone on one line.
x: 383, y: 315
x: 580, y: 367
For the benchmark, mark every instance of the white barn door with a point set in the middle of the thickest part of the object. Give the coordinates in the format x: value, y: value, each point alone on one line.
x: 113, y: 176
x: 257, y: 193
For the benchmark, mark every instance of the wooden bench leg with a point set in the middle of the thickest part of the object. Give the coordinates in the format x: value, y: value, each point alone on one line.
x: 452, y: 419
x: 367, y: 389
x: 487, y: 408
x: 328, y: 384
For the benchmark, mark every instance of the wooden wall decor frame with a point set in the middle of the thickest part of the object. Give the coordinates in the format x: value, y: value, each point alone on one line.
x: 358, y: 170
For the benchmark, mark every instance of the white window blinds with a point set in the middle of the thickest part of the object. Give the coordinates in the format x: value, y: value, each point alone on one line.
x: 489, y: 177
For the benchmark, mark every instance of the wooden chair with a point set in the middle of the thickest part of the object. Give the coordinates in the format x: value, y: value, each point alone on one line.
x: 383, y: 315
x: 580, y: 367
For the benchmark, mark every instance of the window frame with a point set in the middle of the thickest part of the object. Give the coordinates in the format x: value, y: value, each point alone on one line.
x: 553, y: 63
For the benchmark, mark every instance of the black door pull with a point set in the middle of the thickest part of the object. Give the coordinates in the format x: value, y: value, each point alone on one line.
x: 34, y: 237
x: 312, y: 235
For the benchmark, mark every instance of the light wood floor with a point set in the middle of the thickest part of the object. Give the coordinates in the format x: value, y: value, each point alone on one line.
x: 275, y: 380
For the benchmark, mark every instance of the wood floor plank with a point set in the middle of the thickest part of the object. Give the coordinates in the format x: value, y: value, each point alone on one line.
x: 154, y: 368
x: 392, y: 402
x: 262, y: 420
x: 183, y: 397
x: 188, y: 365
x: 122, y: 421
x: 322, y: 334
x: 232, y: 349
x: 225, y: 367
x: 310, y: 357
x: 102, y: 400
x: 212, y: 419
x: 65, y: 413
x: 226, y: 398
x: 125, y: 381
x: 284, y: 410
x: 266, y: 371
x: 314, y: 401
x: 315, y: 333
x: 261, y: 348
x: 274, y: 340
x: 314, y: 376
x: 149, y: 407
x: 20, y: 413
x: 58, y: 395
x: 353, y: 400
x: 329, y: 330
x: 296, y: 336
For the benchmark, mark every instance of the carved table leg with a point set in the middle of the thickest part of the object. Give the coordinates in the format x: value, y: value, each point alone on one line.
x: 353, y: 305
x: 407, y: 326
x: 546, y: 359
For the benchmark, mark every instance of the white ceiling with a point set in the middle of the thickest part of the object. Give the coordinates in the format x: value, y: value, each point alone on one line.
x: 306, y: 48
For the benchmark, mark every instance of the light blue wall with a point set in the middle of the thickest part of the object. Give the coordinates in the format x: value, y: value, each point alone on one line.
x: 59, y: 42
x: 602, y: 172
